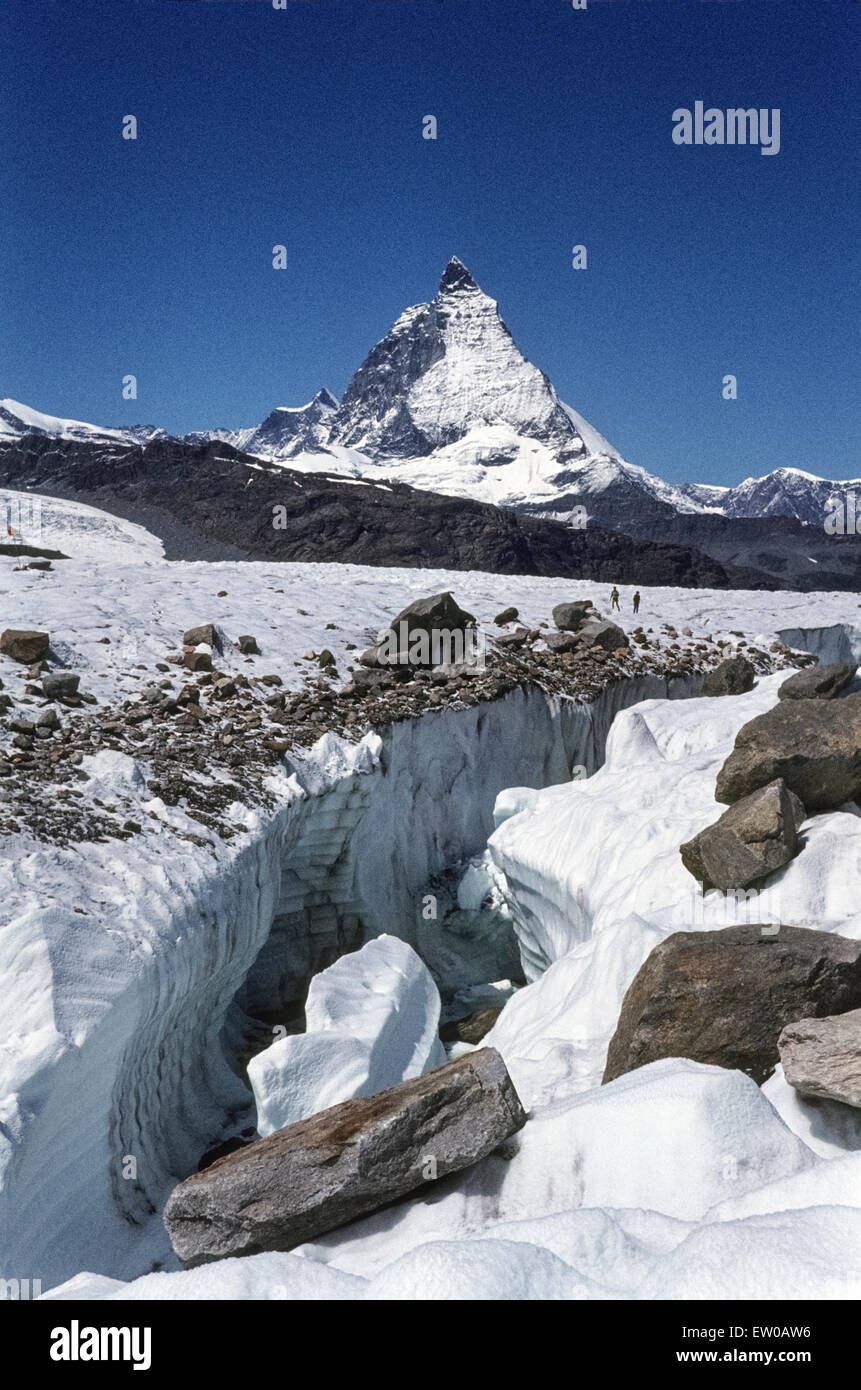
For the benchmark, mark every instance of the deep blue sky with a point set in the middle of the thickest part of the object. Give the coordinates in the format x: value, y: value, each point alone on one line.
x: 303, y: 127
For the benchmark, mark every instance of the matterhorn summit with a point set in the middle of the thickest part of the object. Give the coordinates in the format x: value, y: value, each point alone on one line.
x: 449, y: 371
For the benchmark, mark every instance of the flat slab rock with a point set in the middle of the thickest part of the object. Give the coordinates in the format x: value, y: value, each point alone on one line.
x: 724, y: 997
x: 323, y: 1172
x: 814, y: 745
x: 822, y: 1057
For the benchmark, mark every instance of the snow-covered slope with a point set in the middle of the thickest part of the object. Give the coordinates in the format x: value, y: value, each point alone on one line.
x: 788, y: 492
x: 17, y: 420
x: 78, y: 531
x: 287, y: 431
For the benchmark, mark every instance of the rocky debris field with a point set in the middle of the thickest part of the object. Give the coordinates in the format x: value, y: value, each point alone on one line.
x: 207, y: 736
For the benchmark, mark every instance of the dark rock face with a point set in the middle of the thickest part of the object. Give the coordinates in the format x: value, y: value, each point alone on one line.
x: 508, y: 615
x: 724, y: 997
x: 24, y: 644
x: 325, y: 1171
x: 735, y: 676
x: 814, y: 745
x: 817, y: 682
x: 822, y: 1057
x: 773, y: 552
x: 568, y: 617
x: 472, y: 1028
x: 756, y: 836
x: 248, y: 645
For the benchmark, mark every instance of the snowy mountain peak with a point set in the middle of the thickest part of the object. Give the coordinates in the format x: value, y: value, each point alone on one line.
x: 17, y: 420
x: 448, y: 373
x: 456, y: 278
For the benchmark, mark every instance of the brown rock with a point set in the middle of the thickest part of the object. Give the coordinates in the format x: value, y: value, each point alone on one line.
x: 195, y: 635
x: 472, y: 1028
x: 814, y: 745
x: 197, y: 661
x: 724, y: 997
x: 24, y: 644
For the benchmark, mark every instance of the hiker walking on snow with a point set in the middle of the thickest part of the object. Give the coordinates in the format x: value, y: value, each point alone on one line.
x: 637, y: 601
x: 614, y: 599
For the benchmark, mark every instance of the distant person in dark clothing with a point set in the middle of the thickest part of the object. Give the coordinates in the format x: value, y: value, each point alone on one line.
x: 637, y: 602
x: 614, y: 599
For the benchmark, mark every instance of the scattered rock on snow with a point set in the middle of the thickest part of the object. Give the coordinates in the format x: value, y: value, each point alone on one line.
x: 24, y: 644
x: 735, y: 676
x: 568, y: 617
x: 602, y: 634
x: 60, y: 684
x: 440, y: 613
x: 205, y: 633
x: 197, y: 660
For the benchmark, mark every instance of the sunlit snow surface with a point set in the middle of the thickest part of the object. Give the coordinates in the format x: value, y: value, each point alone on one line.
x: 676, y: 1181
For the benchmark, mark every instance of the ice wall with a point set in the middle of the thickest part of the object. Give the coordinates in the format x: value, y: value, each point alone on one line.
x: 118, y: 1063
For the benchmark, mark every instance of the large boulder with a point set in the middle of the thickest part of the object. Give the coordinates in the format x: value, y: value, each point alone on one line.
x: 371, y: 1022
x: 569, y: 617
x: 822, y: 1057
x: 602, y: 634
x: 814, y: 745
x: 204, y: 633
x: 723, y: 997
x: 325, y: 1171
x: 60, y: 685
x: 818, y: 682
x: 426, y: 633
x: 756, y: 836
x: 23, y: 644
x: 735, y: 676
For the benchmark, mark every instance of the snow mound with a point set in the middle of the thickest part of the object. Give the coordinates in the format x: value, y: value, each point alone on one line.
x: 371, y: 1022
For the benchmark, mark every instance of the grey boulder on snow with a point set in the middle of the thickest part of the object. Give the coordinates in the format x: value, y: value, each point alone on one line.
x: 822, y: 1057
x: 724, y: 997
x: 325, y: 1171
x: 818, y: 682
x: 814, y: 745
x: 735, y: 676
x: 756, y: 836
